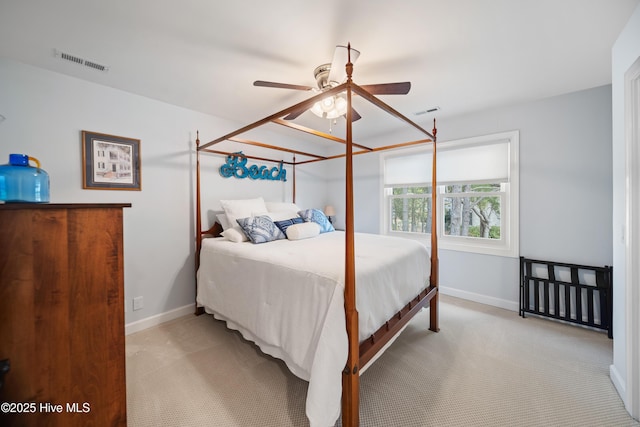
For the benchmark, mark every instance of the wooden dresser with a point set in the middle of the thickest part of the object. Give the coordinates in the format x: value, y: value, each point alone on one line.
x: 62, y: 315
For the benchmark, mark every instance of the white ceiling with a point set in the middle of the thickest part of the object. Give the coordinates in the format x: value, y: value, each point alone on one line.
x: 460, y: 55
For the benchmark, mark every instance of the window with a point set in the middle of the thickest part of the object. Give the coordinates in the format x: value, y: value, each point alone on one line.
x: 410, y: 209
x: 477, y: 198
x: 473, y: 210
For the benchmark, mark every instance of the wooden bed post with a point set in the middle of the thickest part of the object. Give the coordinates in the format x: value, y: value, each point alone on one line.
x: 434, y: 279
x: 198, y: 310
x: 358, y: 354
x: 351, y: 373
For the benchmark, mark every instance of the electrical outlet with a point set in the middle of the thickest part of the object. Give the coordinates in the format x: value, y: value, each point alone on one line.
x: 138, y: 303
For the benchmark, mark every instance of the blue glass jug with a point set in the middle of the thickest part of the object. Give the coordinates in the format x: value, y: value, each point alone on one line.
x: 20, y: 182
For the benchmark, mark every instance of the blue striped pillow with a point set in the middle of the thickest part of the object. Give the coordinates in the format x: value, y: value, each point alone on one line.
x: 283, y: 225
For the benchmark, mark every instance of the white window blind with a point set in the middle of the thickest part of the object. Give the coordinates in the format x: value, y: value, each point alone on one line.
x: 487, y: 162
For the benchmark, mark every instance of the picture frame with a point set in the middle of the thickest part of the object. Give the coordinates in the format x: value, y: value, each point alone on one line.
x: 110, y: 162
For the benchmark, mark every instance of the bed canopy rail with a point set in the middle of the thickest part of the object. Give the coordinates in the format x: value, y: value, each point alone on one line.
x: 359, y: 353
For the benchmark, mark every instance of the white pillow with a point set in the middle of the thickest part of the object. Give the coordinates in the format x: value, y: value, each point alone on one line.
x: 303, y: 231
x: 235, y: 209
x: 224, y: 222
x: 280, y: 216
x: 290, y: 208
x: 235, y: 234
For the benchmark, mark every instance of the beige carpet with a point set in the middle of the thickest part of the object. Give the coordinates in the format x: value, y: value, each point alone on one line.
x: 486, y: 367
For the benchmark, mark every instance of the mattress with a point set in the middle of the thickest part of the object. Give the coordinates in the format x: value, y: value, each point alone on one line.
x: 288, y: 298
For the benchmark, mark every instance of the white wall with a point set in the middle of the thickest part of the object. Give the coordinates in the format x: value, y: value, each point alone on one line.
x: 45, y: 113
x: 624, y: 53
x: 565, y: 190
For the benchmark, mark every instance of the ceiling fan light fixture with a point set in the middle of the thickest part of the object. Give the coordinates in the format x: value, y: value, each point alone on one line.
x: 330, y: 107
x: 317, y: 109
x: 340, y: 105
x: 328, y: 104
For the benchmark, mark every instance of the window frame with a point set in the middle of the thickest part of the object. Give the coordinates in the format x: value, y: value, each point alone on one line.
x: 508, y: 244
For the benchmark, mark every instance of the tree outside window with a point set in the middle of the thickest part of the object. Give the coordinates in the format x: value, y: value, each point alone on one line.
x: 472, y: 210
x: 411, y: 209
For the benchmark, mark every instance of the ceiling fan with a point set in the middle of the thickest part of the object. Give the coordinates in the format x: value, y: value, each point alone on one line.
x: 331, y: 75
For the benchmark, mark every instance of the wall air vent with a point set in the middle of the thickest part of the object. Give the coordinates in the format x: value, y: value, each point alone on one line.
x: 80, y: 61
x: 71, y: 58
x: 98, y: 67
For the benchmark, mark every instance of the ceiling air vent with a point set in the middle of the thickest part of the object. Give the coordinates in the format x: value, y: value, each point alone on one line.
x: 80, y: 61
x: 427, y: 111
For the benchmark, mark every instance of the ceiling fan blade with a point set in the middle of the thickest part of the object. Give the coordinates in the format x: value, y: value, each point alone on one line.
x: 354, y: 115
x: 294, y: 114
x: 340, y: 58
x: 401, y: 88
x: 263, y: 83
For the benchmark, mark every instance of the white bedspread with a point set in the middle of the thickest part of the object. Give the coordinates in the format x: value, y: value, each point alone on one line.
x: 287, y: 297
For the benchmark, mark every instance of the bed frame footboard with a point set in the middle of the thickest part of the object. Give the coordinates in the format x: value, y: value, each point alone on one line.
x: 373, y: 344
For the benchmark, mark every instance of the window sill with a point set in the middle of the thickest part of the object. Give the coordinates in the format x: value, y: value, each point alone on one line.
x: 471, y: 247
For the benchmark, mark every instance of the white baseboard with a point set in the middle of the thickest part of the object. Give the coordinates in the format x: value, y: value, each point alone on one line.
x: 483, y: 299
x: 618, y: 383
x: 148, y: 322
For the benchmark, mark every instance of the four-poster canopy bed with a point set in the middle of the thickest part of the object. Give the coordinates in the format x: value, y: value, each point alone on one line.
x: 359, y: 350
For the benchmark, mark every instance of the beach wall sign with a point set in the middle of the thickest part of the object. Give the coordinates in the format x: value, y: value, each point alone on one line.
x: 236, y: 166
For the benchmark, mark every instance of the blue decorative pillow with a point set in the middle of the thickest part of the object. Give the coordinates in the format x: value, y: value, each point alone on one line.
x: 260, y: 229
x: 317, y: 216
x: 283, y: 225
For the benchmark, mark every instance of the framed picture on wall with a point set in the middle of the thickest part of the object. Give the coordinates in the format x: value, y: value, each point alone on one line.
x: 110, y: 162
